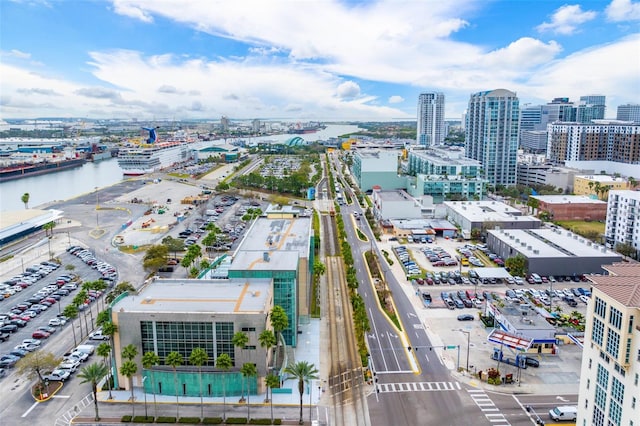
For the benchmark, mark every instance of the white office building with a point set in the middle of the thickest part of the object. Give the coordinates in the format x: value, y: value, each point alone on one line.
x: 623, y: 225
x: 431, y: 129
x: 629, y: 112
x: 609, y: 392
x: 492, y: 134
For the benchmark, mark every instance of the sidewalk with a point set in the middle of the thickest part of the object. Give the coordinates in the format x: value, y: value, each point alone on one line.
x: 308, y: 350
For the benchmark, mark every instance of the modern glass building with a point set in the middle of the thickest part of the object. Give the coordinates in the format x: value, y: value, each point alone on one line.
x: 431, y: 128
x: 591, y: 107
x: 492, y: 133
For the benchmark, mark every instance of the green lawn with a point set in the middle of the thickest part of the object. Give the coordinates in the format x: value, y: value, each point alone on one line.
x: 581, y: 227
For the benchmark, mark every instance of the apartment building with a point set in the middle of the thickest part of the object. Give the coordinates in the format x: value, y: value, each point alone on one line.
x: 587, y: 184
x: 623, y: 225
x: 431, y: 128
x: 609, y: 392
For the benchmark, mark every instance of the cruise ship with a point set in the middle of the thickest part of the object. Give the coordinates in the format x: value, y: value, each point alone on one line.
x: 153, y: 155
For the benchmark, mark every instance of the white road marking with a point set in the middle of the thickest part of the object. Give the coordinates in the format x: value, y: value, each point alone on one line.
x: 26, y: 413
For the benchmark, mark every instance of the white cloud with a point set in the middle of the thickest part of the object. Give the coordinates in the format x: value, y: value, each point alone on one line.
x: 566, y: 20
x: 395, y: 99
x: 348, y: 90
x: 623, y: 10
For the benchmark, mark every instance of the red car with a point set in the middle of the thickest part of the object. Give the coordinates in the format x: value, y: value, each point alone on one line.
x: 40, y: 335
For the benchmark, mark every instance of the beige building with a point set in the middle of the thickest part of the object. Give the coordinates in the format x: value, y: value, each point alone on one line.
x: 581, y: 184
x: 610, y: 375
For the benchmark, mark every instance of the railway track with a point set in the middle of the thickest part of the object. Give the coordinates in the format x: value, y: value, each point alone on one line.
x: 345, y: 375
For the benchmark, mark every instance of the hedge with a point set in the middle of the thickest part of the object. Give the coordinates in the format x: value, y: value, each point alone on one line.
x: 125, y: 419
x: 236, y: 421
x: 263, y: 421
x: 143, y: 419
x: 212, y: 420
x: 165, y: 419
x: 190, y: 420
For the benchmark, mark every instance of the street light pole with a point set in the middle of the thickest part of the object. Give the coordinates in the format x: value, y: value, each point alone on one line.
x: 468, y: 333
x: 145, y: 398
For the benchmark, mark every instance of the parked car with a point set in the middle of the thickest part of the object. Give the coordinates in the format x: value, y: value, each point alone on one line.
x: 465, y: 317
x: 69, y: 365
x: 31, y: 342
x: 57, y: 322
x: 58, y: 375
x: 40, y: 335
x: 9, y: 328
x: 97, y: 335
x: 8, y: 360
x: 532, y: 362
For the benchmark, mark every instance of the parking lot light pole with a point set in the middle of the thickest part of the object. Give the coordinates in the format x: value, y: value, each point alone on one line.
x: 468, y: 333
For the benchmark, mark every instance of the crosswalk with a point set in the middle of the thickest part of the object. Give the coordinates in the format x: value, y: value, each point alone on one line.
x: 488, y: 408
x: 417, y: 387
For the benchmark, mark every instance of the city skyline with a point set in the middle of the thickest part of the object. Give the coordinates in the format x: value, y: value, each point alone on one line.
x: 322, y: 60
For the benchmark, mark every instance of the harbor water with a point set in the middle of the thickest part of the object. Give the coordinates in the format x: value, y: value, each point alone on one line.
x: 70, y: 183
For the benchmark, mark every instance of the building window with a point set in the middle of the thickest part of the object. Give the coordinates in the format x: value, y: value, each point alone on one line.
x: 248, y: 329
x: 590, y: 363
x: 617, y: 390
x: 164, y: 337
x: 615, y: 318
x: 598, y: 417
x: 600, y: 308
x: 602, y: 377
x: 597, y: 334
x: 224, y: 345
x: 635, y: 381
x: 630, y: 324
x: 615, y: 413
x: 613, y: 343
x: 633, y: 402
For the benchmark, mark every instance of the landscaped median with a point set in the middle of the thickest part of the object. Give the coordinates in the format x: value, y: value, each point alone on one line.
x: 43, y: 393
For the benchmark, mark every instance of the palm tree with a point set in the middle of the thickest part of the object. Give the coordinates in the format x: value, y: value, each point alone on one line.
x: 25, y: 199
x: 240, y: 340
x: 174, y: 359
x: 71, y: 312
x: 279, y: 322
x: 149, y: 359
x: 272, y: 381
x: 248, y: 370
x: 93, y: 373
x: 48, y: 227
x: 224, y: 363
x: 128, y: 369
x: 129, y: 352
x: 109, y: 329
x: 267, y: 340
x: 104, y: 350
x: 198, y: 358
x: 303, y: 372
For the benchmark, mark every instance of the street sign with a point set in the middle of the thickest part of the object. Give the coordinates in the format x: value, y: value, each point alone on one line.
x: 451, y: 347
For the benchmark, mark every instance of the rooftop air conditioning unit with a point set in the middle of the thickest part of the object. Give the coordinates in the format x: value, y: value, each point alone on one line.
x: 511, y: 237
x: 529, y: 248
x: 517, y: 240
x: 575, y: 237
x: 536, y: 251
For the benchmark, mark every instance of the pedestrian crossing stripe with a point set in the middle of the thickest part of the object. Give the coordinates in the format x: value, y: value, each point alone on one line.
x: 417, y: 387
x: 488, y: 408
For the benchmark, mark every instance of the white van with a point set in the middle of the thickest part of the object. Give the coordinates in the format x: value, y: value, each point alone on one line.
x: 566, y: 412
x: 87, y: 349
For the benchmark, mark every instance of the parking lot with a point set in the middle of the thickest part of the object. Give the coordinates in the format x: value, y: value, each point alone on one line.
x: 449, y: 324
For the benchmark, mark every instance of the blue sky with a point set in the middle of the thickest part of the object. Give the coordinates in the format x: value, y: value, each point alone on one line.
x: 307, y: 59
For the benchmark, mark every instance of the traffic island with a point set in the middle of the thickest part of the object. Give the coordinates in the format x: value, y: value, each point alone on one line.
x: 42, y: 392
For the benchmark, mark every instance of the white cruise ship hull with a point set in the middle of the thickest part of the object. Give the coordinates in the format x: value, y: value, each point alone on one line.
x: 154, y: 157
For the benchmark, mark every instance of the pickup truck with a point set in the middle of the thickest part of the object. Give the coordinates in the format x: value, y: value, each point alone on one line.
x: 58, y: 375
x: 76, y: 356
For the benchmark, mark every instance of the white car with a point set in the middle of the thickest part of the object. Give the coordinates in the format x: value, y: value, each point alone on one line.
x: 584, y: 299
x: 97, y: 335
x: 58, y: 375
x: 57, y: 322
x: 27, y: 347
x: 77, y: 356
x: 69, y: 365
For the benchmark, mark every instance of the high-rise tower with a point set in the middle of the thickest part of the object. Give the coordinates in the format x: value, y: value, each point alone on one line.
x: 430, y: 119
x: 591, y: 107
x: 492, y: 134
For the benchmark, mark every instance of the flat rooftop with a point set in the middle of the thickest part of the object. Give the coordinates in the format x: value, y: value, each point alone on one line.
x: 601, y: 178
x: 488, y: 211
x: 531, y: 321
x: 274, y: 244
x: 397, y: 195
x: 568, y: 199
x: 446, y: 158
x: 201, y: 296
x: 552, y: 243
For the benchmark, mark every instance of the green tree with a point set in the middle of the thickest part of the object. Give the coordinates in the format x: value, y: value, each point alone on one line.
x: 128, y: 369
x: 104, y: 350
x: 199, y: 358
x: 25, y: 199
x: 303, y: 372
x: 155, y: 258
x: 224, y: 363
x: 71, y: 312
x: 248, y: 371
x: 124, y: 286
x: 174, y: 245
x: 534, y: 203
x: 272, y: 381
x: 129, y: 352
x: 279, y: 322
x: 626, y: 249
x: 35, y: 364
x: 174, y: 359
x: 48, y: 227
x: 267, y: 340
x: 240, y: 340
x: 92, y: 374
x: 149, y: 360
x: 517, y: 265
